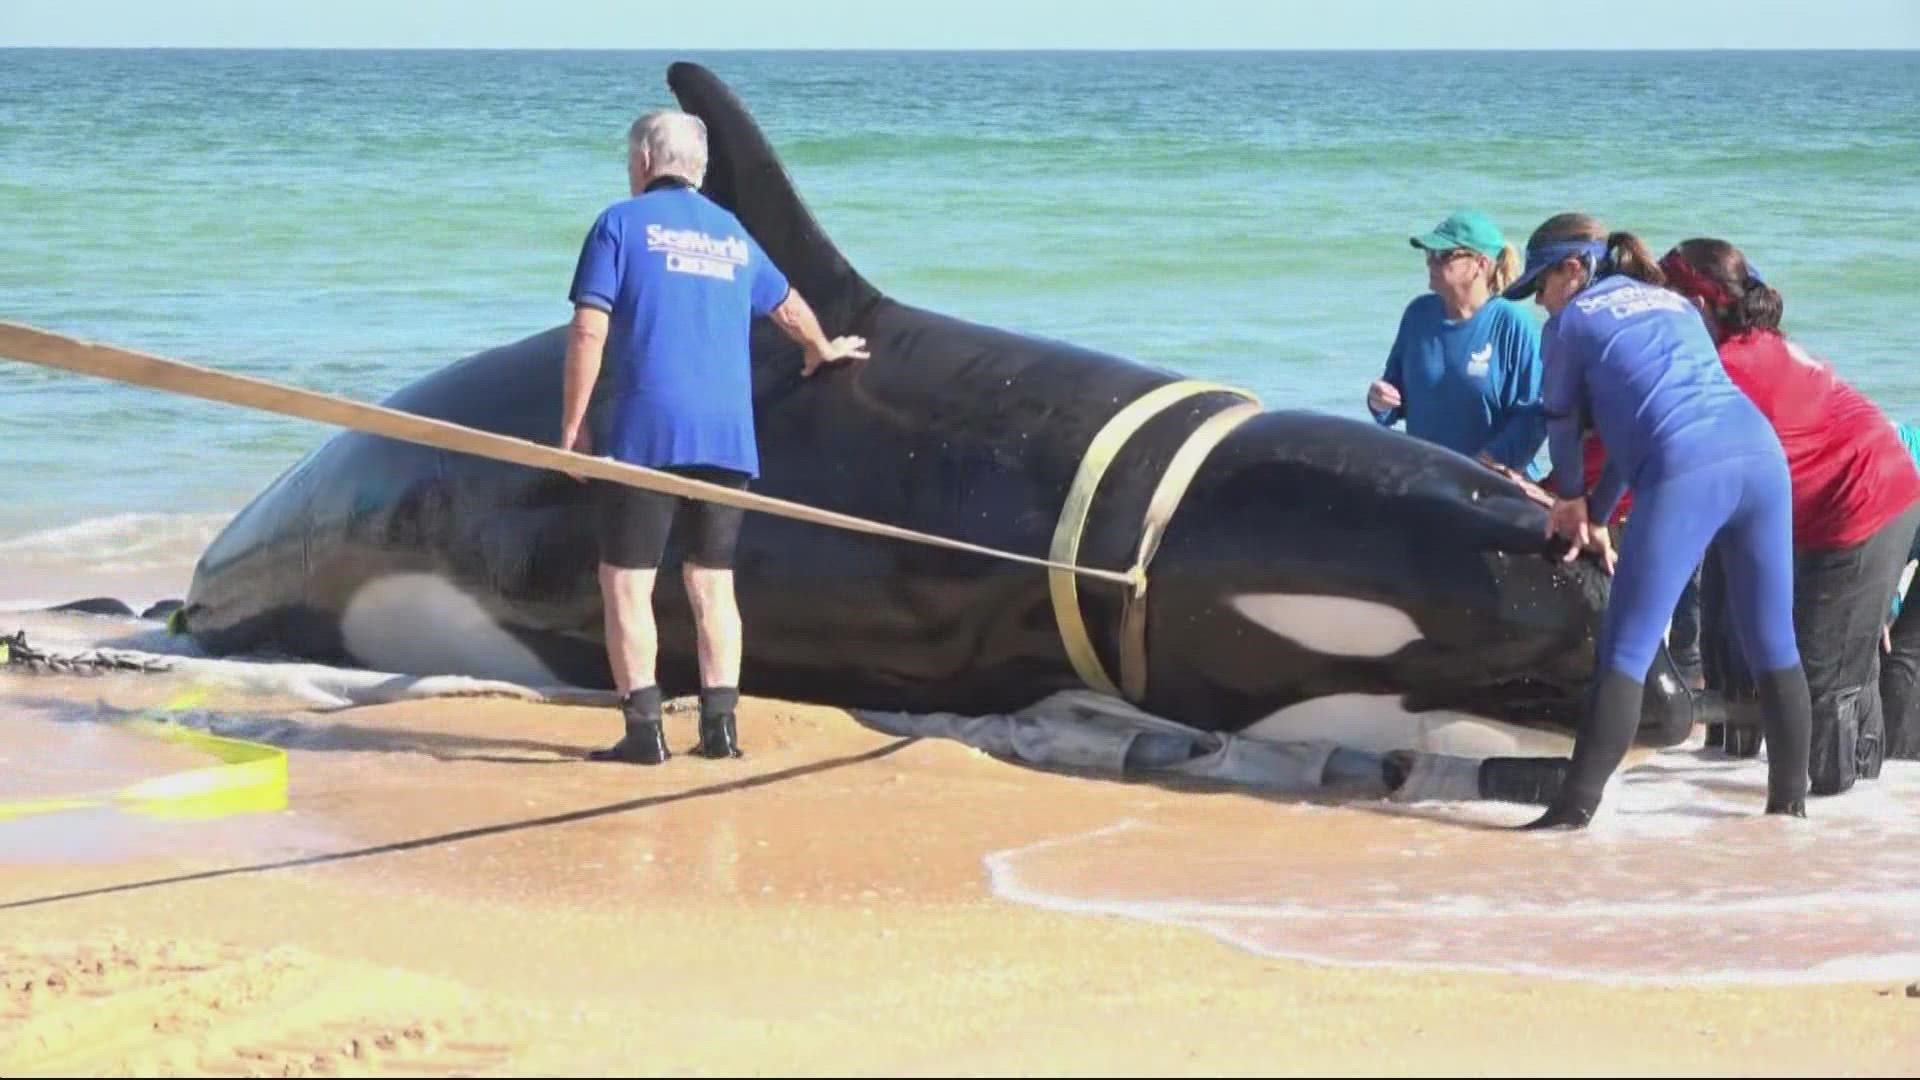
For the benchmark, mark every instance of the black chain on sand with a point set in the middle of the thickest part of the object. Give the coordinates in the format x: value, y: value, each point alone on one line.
x: 22, y: 657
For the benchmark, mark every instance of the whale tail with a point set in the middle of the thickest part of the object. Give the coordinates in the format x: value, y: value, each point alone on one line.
x: 745, y: 176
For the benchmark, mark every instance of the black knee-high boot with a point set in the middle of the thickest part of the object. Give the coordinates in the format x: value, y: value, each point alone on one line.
x: 645, y: 743
x: 1598, y: 748
x: 1787, y: 712
x: 718, y: 737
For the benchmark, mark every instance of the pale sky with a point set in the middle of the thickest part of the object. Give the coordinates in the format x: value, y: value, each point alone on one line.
x: 969, y: 24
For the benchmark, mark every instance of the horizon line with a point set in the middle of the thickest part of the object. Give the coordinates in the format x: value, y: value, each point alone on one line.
x: 950, y: 49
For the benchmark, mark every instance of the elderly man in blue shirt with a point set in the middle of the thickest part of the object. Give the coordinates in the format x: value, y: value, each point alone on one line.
x: 667, y: 285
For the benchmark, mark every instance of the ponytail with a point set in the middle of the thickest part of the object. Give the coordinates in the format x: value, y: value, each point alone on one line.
x: 1625, y: 253
x: 1717, y: 273
x: 1506, y: 269
x: 1759, y: 308
x: 1628, y: 255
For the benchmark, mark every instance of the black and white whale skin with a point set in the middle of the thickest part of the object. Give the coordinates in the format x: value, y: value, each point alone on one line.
x: 1313, y: 559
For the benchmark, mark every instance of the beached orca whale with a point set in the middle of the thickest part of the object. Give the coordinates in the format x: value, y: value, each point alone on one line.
x: 1315, y: 569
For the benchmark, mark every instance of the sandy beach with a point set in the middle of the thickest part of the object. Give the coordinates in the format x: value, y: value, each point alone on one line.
x: 451, y: 891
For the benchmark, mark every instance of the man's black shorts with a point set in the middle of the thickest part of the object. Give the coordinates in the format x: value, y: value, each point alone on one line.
x: 632, y: 524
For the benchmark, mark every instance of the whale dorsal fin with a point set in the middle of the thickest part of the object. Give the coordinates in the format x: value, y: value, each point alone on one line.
x: 745, y: 176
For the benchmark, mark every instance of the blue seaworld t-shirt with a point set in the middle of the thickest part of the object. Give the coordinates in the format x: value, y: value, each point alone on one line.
x: 682, y: 280
x: 1471, y: 385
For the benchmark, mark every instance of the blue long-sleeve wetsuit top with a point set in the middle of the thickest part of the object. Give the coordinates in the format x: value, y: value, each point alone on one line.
x: 1639, y: 361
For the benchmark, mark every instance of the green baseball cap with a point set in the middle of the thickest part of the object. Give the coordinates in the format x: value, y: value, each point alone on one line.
x: 1464, y: 229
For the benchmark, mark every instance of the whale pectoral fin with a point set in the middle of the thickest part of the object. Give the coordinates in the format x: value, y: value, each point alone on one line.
x: 95, y: 605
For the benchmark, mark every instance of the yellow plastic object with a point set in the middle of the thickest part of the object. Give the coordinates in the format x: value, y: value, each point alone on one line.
x: 250, y: 778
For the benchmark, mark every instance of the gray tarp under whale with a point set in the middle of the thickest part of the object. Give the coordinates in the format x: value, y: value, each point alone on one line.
x: 1080, y: 730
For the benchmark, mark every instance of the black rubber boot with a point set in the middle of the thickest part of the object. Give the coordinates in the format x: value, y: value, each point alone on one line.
x: 1561, y: 816
x: 718, y: 737
x: 1598, y: 748
x: 645, y: 743
x: 1787, y: 710
x: 1871, y: 751
x: 1833, y: 756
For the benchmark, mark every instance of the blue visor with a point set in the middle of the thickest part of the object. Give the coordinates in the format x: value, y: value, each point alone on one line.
x: 1547, y: 255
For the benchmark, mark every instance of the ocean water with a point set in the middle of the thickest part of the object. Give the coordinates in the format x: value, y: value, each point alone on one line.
x: 1680, y: 880
x: 349, y: 221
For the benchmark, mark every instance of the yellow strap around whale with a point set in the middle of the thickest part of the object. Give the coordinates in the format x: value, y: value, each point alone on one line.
x: 1166, y: 499
x: 1105, y: 446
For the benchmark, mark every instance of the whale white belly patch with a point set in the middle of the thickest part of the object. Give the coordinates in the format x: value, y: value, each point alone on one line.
x: 421, y: 624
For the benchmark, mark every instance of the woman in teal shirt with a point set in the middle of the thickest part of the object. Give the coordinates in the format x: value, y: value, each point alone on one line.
x: 1464, y: 371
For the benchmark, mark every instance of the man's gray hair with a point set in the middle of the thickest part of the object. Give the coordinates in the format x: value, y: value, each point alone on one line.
x: 670, y: 143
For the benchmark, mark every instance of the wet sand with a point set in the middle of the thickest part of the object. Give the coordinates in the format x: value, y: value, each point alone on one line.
x: 452, y: 891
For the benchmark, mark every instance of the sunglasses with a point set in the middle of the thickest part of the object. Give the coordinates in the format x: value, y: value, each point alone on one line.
x: 1435, y: 258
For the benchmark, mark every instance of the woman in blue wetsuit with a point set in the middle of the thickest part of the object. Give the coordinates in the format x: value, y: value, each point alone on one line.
x: 1703, y: 463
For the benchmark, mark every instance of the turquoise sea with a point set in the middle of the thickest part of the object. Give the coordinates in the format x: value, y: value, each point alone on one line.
x: 349, y: 221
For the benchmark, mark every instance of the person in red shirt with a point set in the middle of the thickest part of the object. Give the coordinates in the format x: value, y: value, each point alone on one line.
x: 1856, y: 502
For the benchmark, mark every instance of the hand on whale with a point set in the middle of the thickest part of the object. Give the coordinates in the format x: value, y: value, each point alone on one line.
x: 849, y: 347
x: 1568, y: 521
